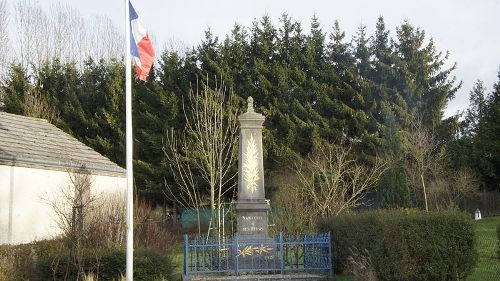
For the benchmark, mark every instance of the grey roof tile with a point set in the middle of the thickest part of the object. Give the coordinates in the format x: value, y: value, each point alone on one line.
x: 36, y: 142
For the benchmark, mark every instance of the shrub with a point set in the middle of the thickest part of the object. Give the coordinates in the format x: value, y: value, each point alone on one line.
x: 107, y: 264
x: 361, y: 266
x: 51, y: 260
x: 16, y: 262
x: 407, y: 244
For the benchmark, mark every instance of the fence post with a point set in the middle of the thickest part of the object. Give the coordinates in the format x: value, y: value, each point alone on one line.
x: 282, y: 255
x: 235, y: 252
x: 330, y: 264
x: 186, y: 244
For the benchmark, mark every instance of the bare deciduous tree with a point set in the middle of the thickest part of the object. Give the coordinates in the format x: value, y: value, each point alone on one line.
x: 187, y: 194
x: 291, y: 212
x: 33, y: 33
x: 105, y: 40
x: 333, y: 180
x: 208, y: 147
x: 422, y: 149
x: 63, y: 34
x: 4, y: 37
x: 107, y: 222
x: 447, y: 188
x: 36, y: 105
x: 72, y: 207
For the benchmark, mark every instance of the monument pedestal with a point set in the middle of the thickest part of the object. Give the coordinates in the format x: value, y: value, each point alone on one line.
x: 256, y: 250
x: 252, y: 217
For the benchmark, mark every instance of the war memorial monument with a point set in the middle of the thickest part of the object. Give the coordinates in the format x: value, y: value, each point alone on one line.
x: 251, y: 254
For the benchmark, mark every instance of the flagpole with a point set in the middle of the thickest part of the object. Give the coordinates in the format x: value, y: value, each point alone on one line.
x: 129, y: 143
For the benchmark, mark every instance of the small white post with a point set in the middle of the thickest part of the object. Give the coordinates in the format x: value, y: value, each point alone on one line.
x: 477, y: 214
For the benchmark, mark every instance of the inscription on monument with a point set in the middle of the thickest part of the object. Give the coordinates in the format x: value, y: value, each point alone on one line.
x: 252, y: 218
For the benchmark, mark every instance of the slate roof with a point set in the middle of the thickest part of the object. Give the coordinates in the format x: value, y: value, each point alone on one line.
x: 34, y: 142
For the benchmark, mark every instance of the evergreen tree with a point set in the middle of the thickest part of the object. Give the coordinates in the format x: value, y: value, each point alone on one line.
x: 60, y: 84
x: 345, y: 92
x: 421, y: 80
x: 393, y: 191
x: 462, y: 154
x: 105, y: 105
x: 486, y: 144
x: 14, y: 89
x: 155, y: 112
x: 475, y: 111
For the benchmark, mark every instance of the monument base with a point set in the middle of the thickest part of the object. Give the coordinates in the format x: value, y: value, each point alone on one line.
x: 273, y: 277
x: 251, y: 216
x: 257, y: 253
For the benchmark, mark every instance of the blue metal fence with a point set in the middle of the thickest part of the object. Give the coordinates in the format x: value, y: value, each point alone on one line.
x: 234, y: 255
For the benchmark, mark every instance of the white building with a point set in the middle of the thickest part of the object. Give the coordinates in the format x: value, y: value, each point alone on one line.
x: 35, y: 163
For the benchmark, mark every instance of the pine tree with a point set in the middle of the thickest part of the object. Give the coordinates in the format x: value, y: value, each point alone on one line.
x: 486, y: 144
x: 14, y: 89
x: 475, y: 111
x: 105, y: 105
x: 155, y: 112
x: 393, y: 191
x: 59, y: 83
x: 421, y: 80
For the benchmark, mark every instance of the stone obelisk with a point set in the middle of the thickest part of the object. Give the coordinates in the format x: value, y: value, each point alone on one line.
x: 251, y: 207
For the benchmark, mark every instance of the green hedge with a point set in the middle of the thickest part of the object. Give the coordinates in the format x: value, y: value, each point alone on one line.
x: 50, y: 260
x: 406, y: 244
x: 108, y: 264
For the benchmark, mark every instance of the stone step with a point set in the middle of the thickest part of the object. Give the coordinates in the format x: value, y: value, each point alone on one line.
x: 249, y: 277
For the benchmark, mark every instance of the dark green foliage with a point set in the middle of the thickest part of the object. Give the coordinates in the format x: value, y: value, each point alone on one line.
x: 14, y: 89
x: 106, y: 263
x: 50, y: 260
x: 477, y: 147
x: 406, y: 244
x: 313, y: 87
x: 486, y: 145
x: 393, y: 188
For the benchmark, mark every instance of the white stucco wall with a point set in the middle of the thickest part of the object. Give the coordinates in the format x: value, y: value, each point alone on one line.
x: 25, y: 214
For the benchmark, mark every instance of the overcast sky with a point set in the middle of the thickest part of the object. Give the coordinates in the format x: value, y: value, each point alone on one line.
x: 468, y: 29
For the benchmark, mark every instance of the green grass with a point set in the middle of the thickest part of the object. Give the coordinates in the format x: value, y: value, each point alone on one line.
x: 178, y: 260
x: 488, y: 266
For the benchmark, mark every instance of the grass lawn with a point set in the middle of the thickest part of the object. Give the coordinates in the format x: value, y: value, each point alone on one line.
x: 488, y: 266
x: 178, y: 259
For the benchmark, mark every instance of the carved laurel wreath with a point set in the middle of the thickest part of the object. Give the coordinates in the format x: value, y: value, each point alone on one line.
x: 250, y: 165
x: 251, y: 250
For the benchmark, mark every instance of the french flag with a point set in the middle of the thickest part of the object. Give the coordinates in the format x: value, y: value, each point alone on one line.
x: 141, y: 48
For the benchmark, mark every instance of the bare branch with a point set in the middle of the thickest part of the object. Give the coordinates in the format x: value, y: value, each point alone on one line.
x: 206, y: 148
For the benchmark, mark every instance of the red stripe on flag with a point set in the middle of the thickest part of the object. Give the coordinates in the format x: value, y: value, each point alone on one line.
x: 146, y: 56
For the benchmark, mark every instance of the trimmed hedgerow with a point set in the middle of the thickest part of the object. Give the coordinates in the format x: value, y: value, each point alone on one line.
x: 406, y: 244
x: 107, y: 264
x: 51, y: 260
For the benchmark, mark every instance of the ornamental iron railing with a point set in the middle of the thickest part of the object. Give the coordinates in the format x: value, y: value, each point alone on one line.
x: 257, y: 254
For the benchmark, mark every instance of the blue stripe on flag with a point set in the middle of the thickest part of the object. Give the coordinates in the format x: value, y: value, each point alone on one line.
x: 133, y: 14
x: 133, y: 45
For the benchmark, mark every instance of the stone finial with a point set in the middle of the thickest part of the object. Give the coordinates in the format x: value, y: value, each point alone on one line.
x: 250, y: 104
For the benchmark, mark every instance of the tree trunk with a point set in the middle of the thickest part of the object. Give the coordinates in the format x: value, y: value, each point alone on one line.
x: 425, y: 193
